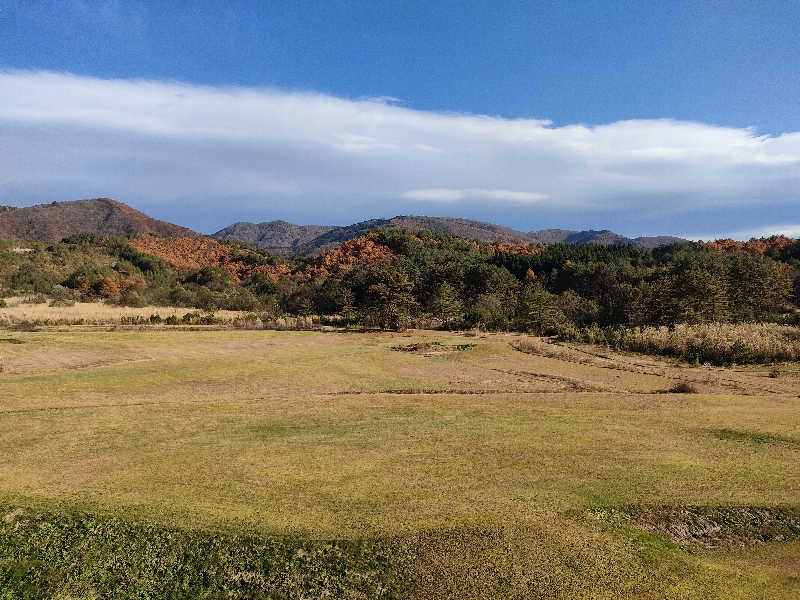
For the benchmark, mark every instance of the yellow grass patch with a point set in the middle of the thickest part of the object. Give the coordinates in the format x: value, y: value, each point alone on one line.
x: 485, y: 457
x: 18, y: 310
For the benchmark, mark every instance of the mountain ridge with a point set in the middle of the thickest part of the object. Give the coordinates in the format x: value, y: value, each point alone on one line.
x: 105, y: 216
x: 282, y: 237
x: 102, y: 216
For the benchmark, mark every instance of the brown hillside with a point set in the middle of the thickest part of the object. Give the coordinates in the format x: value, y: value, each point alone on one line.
x: 101, y: 216
x: 753, y: 245
x: 187, y: 253
x: 359, y: 252
x: 517, y: 248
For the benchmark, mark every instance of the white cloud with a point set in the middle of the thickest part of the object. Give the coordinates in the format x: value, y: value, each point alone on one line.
x: 436, y: 195
x: 453, y: 195
x: 509, y: 196
x: 270, y: 152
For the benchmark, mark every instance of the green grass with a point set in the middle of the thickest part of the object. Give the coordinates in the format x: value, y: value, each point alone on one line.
x: 755, y: 437
x: 288, y: 436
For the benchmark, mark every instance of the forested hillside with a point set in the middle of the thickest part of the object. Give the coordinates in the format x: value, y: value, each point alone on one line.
x: 395, y: 278
x: 310, y: 240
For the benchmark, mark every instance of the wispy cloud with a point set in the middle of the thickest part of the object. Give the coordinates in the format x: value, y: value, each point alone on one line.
x: 207, y: 154
x: 455, y: 195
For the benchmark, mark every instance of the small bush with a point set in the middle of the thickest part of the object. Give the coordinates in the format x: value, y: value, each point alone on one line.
x: 290, y: 323
x: 59, y: 292
x: 171, y: 320
x: 62, y: 303
x: 133, y: 320
x: 35, y: 299
x: 133, y: 298
x: 248, y: 321
x: 683, y: 387
x: 196, y: 318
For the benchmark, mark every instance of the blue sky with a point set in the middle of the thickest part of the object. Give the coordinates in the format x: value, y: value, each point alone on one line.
x: 643, y: 117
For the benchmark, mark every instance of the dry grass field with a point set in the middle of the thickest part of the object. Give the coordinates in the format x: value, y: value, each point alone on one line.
x: 17, y: 310
x: 502, y: 473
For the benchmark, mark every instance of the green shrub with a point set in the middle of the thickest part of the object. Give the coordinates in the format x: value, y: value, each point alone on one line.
x: 196, y: 318
x: 133, y: 320
x: 62, y: 303
x: 133, y: 298
x: 683, y: 388
x: 32, y: 277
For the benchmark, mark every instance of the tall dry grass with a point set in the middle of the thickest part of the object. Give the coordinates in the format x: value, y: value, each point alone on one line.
x: 19, y: 310
x: 719, y: 343
x: 28, y: 311
x: 715, y: 343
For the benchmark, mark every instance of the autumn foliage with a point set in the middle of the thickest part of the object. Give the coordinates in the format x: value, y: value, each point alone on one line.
x: 771, y: 245
x: 359, y: 252
x: 187, y: 253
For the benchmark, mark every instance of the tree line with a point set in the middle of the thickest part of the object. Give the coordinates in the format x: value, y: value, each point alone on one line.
x: 440, y: 279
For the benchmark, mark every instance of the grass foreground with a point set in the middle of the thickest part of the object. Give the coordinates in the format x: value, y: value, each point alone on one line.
x: 264, y: 464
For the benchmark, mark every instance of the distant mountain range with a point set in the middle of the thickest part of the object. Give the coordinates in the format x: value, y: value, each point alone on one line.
x: 104, y: 216
x: 307, y: 240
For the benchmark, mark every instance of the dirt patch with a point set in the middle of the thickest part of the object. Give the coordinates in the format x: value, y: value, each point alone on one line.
x: 11, y: 341
x: 713, y: 526
x: 569, y: 383
x: 428, y: 391
x: 432, y: 348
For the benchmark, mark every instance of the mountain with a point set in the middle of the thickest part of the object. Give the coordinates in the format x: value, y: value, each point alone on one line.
x: 603, y: 237
x: 278, y: 237
x: 102, y: 216
x: 309, y: 240
x: 654, y: 241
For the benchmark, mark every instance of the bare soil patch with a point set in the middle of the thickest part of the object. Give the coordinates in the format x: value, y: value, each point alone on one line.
x: 713, y: 526
x: 433, y: 348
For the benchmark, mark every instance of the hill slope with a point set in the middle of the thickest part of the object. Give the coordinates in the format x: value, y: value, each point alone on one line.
x: 309, y: 240
x: 102, y: 216
x: 279, y: 237
x: 604, y: 237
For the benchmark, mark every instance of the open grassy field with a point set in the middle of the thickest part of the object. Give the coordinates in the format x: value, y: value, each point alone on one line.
x: 18, y: 310
x: 457, y: 468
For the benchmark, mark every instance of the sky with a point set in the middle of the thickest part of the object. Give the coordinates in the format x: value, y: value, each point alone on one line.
x: 641, y: 117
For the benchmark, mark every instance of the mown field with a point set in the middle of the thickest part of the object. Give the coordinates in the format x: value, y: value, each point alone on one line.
x: 261, y: 464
